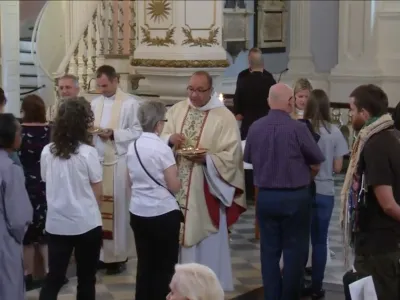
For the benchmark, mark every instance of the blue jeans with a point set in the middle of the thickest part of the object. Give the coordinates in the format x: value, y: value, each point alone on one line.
x: 284, y: 220
x: 321, y: 216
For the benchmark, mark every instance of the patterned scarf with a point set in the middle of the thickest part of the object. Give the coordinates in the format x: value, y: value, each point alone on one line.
x: 349, y: 194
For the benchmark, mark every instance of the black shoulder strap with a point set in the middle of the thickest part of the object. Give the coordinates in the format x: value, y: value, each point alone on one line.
x: 144, y: 169
x: 152, y: 178
x: 147, y: 172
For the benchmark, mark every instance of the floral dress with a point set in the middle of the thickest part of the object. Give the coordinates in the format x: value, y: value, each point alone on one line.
x: 34, y: 138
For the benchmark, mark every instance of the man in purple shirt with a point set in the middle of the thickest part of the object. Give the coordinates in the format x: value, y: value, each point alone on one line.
x: 284, y: 156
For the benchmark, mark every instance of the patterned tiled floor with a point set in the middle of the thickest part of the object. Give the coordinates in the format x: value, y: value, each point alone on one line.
x: 245, y: 262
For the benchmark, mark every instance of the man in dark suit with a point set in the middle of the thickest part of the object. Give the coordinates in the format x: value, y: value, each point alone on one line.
x: 252, y: 88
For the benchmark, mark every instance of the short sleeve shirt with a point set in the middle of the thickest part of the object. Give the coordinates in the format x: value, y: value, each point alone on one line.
x: 72, y: 207
x: 380, y: 162
x: 333, y: 145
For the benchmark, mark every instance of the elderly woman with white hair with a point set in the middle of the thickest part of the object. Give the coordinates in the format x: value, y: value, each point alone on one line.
x: 195, y: 282
x: 155, y: 213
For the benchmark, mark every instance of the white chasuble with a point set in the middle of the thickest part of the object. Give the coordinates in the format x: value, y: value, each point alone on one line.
x: 120, y: 114
x: 205, y: 237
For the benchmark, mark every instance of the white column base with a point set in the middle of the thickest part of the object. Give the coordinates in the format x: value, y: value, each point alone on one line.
x: 301, y: 64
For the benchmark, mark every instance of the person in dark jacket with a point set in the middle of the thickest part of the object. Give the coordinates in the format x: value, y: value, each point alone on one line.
x: 252, y: 88
x: 396, y: 116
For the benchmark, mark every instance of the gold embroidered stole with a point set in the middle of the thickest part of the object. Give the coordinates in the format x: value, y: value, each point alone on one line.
x: 110, y: 160
x: 192, y: 128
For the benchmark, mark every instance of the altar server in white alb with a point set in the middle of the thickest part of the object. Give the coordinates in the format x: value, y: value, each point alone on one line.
x: 116, y: 115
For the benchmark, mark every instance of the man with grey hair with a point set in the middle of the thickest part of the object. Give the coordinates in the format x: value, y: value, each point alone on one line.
x: 67, y: 88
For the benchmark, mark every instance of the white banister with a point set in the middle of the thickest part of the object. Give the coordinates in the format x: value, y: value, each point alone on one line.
x: 75, y: 42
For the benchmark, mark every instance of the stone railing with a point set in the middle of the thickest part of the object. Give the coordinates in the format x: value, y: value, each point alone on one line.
x: 110, y: 33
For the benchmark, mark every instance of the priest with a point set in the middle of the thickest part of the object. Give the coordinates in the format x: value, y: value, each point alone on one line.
x: 115, y: 115
x: 212, y: 192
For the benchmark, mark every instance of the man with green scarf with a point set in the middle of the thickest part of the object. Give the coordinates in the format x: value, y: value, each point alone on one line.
x: 371, y: 194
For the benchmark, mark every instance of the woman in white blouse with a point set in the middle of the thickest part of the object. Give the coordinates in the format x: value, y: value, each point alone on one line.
x: 72, y: 171
x: 155, y: 213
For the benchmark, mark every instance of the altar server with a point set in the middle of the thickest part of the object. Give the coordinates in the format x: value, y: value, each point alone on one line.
x: 116, y: 114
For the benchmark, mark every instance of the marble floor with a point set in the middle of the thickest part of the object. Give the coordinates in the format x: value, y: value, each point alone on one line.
x: 245, y: 263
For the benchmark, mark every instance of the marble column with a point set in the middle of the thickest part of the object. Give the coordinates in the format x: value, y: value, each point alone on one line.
x: 357, y: 60
x: 387, y: 23
x: 300, y: 57
x: 175, y: 39
x: 9, y: 15
x: 357, y: 51
x: 369, y: 48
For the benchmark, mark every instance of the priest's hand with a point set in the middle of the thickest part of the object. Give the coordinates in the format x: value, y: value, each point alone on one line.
x: 106, y: 134
x: 239, y: 117
x: 176, y: 139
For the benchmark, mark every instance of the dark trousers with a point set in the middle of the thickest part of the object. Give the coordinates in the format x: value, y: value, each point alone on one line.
x: 87, y: 251
x: 284, y: 220
x: 157, y: 247
x: 321, y: 217
x: 385, y: 271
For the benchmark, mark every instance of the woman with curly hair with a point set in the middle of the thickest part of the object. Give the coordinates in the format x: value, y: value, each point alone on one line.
x: 71, y: 168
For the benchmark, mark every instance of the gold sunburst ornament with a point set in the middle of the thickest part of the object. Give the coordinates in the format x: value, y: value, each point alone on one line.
x: 159, y: 10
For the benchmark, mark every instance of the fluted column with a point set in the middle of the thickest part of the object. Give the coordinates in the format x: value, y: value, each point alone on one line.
x: 387, y: 23
x: 300, y: 57
x: 9, y: 16
x: 176, y: 38
x: 357, y: 39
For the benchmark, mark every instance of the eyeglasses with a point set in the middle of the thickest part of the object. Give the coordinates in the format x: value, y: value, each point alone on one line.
x: 199, y: 91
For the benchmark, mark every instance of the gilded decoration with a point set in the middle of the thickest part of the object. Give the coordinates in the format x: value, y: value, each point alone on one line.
x: 159, y: 10
x: 158, y: 41
x: 199, y: 41
x: 132, y: 26
x: 162, y: 63
x: 192, y: 128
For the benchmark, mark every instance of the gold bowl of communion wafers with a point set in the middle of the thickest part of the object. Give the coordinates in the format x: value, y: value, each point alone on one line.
x: 190, y: 151
x: 95, y: 130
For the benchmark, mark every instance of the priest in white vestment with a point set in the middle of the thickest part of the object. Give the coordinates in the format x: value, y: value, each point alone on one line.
x: 116, y: 114
x: 212, y: 190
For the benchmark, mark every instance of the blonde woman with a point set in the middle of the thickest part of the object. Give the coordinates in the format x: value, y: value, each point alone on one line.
x: 302, y: 89
x: 195, y: 282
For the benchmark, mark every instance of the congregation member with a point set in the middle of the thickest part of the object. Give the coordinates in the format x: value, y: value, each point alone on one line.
x: 3, y: 102
x: 35, y: 136
x: 115, y: 114
x: 371, y: 190
x: 155, y: 214
x: 250, y: 101
x: 67, y: 88
x: 302, y: 89
x: 284, y: 155
x: 333, y: 146
x: 15, y: 212
x: 212, y: 182
x: 71, y: 169
x: 195, y: 281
